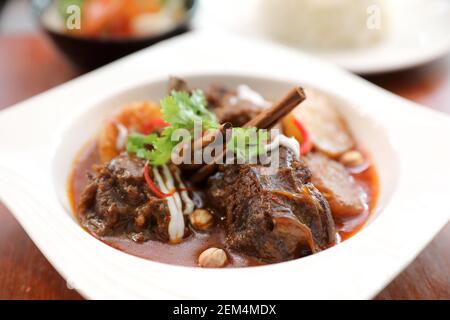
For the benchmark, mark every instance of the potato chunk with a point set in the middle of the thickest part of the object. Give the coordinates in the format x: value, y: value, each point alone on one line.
x: 345, y: 196
x: 327, y: 128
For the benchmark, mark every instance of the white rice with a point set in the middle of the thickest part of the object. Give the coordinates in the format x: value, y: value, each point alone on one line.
x: 324, y: 24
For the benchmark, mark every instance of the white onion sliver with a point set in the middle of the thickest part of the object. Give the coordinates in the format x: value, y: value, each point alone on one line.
x: 189, y: 204
x: 176, y: 223
x: 170, y: 183
x: 247, y: 93
x: 122, y: 135
x: 289, y: 143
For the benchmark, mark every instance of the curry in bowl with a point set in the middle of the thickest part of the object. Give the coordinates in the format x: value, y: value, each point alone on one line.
x: 127, y: 190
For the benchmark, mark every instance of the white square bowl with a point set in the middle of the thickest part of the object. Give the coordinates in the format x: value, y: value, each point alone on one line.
x: 39, y: 138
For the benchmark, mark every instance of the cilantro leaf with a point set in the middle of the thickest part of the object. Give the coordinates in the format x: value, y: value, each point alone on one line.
x: 184, y: 110
x: 181, y: 111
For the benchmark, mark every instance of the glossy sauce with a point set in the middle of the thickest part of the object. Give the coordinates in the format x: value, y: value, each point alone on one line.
x: 186, y: 253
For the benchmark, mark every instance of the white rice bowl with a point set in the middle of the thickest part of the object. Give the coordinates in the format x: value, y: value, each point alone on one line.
x: 324, y: 24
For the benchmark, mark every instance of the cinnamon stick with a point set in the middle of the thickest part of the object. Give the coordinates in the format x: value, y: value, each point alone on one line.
x: 204, y: 141
x: 269, y: 117
x: 265, y: 120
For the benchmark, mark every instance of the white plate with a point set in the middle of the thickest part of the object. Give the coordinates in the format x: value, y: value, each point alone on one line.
x: 419, y: 31
x: 37, y: 144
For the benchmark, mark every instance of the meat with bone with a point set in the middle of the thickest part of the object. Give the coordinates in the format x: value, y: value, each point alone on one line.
x: 235, y: 106
x: 274, y: 217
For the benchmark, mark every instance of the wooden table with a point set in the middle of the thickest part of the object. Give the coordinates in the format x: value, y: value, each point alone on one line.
x: 29, y: 64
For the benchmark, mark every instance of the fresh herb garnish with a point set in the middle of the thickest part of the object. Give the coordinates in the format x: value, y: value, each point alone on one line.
x: 183, y: 111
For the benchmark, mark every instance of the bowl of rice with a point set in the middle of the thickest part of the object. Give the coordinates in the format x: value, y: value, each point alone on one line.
x: 324, y: 24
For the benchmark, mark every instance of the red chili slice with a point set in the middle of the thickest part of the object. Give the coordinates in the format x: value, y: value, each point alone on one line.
x: 152, y: 125
x: 152, y: 185
x: 155, y: 189
x: 306, y: 144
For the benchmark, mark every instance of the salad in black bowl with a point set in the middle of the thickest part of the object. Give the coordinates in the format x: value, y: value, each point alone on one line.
x: 95, y: 32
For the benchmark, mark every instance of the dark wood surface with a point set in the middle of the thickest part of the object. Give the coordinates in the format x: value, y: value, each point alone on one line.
x: 29, y: 64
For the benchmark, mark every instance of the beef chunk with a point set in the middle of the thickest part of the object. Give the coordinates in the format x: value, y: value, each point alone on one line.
x: 224, y: 102
x: 177, y: 84
x: 117, y: 202
x: 274, y: 217
x: 345, y: 197
x: 229, y: 107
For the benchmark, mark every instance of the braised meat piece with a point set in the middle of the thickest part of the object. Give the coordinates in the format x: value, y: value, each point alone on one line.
x: 177, y: 84
x: 118, y: 202
x: 229, y: 107
x: 274, y: 217
x: 345, y: 196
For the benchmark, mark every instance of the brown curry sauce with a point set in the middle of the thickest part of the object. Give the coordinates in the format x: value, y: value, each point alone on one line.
x: 186, y: 253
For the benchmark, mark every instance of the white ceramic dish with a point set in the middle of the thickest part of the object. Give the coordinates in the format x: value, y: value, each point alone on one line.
x: 38, y: 142
x: 418, y: 33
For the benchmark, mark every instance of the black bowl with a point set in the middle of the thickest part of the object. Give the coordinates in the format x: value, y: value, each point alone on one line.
x: 90, y: 53
x: 2, y: 4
